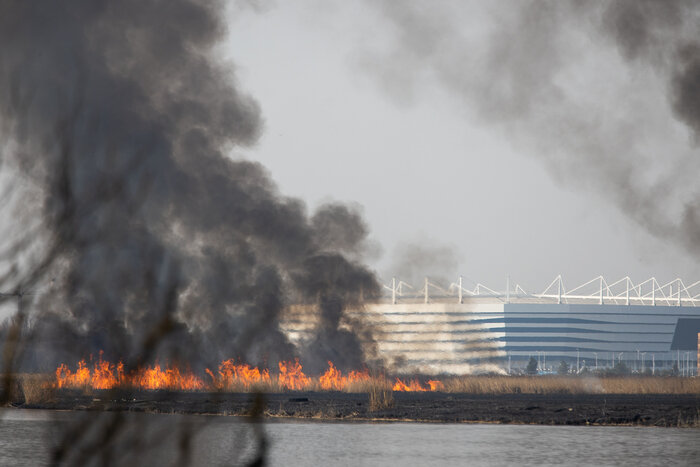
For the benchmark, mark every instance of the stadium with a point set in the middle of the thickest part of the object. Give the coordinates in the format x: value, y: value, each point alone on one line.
x: 648, y: 327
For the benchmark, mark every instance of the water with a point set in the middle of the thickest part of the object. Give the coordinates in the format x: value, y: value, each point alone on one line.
x: 27, y: 439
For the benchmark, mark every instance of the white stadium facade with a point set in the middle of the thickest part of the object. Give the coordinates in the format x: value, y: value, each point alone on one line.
x: 432, y: 330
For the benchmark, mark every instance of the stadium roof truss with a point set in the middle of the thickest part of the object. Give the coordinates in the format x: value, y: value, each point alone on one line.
x: 597, y: 290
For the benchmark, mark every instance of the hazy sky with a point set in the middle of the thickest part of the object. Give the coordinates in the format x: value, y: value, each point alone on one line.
x: 350, y: 116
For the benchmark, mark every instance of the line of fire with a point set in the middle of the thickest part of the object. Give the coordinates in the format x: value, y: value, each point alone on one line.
x: 422, y: 335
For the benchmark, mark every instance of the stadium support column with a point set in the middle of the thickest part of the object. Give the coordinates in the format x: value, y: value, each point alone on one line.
x: 426, y: 290
x: 393, y: 291
x: 559, y: 290
x: 507, y: 289
x: 461, y: 298
x: 697, y: 362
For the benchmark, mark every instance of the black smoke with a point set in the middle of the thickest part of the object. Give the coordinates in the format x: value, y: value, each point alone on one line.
x: 156, y: 243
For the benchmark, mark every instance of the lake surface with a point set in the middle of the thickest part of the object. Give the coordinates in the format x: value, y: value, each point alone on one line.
x: 29, y: 438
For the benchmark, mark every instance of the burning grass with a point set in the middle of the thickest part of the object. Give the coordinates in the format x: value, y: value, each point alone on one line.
x: 229, y: 377
x: 241, y: 377
x: 105, y: 375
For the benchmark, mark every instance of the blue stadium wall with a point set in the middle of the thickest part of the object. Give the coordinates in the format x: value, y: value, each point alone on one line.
x: 606, y: 332
x: 489, y: 335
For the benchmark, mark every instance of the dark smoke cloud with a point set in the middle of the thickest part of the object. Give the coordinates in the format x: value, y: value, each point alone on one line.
x: 412, y: 262
x: 641, y: 27
x: 605, y: 93
x: 686, y: 87
x: 158, y: 243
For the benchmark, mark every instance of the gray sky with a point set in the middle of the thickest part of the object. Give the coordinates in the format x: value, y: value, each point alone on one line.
x: 349, y: 118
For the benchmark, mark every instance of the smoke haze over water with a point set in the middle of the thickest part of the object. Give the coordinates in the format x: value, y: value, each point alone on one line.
x: 156, y: 242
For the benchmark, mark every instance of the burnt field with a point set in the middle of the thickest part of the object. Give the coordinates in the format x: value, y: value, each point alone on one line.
x: 663, y: 410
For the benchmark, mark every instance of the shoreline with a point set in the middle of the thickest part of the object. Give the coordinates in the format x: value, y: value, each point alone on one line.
x: 660, y: 410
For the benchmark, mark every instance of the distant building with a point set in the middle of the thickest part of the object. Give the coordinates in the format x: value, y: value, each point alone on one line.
x: 445, y: 331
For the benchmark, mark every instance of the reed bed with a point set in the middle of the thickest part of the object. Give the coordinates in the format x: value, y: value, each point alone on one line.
x: 38, y: 388
x: 33, y: 388
x: 381, y: 397
x: 273, y: 385
x: 571, y: 385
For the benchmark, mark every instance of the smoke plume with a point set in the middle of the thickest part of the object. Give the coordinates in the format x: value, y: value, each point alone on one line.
x: 605, y: 93
x: 156, y: 243
x: 414, y: 261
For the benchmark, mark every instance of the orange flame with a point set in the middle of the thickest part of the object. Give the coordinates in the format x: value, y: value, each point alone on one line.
x: 436, y: 385
x: 415, y: 386
x: 333, y: 379
x: 104, y: 375
x: 358, y: 376
x: 169, y: 377
x: 291, y: 376
x: 65, y: 378
x: 232, y: 375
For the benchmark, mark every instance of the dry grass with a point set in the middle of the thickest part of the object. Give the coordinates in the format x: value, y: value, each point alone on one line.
x: 381, y: 397
x: 36, y: 388
x: 366, y: 386
x: 571, y: 385
x: 40, y: 387
x: 237, y: 386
